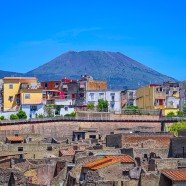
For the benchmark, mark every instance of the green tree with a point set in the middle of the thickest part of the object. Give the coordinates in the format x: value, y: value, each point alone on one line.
x: 13, y: 117
x: 184, y: 109
x: 49, y: 111
x: 102, y: 105
x: 2, y: 118
x: 174, y: 128
x: 180, y: 114
x: 21, y: 114
x: 171, y: 114
x: 90, y: 106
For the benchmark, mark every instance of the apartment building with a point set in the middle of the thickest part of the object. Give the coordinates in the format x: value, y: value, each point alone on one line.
x: 22, y: 93
x: 172, y: 94
x: 151, y: 97
x: 164, y: 97
x: 113, y: 97
x: 182, y: 103
x: 51, y: 85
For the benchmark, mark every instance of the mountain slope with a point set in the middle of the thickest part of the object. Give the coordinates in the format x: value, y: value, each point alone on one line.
x: 9, y: 74
x: 119, y: 70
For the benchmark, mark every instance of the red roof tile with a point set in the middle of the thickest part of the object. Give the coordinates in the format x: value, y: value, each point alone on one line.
x: 108, y: 160
x: 14, y: 138
x: 175, y: 174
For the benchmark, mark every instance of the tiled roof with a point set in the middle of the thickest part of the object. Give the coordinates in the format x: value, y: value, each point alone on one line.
x: 68, y: 152
x: 176, y: 175
x: 163, y: 140
x: 14, y: 138
x: 108, y: 160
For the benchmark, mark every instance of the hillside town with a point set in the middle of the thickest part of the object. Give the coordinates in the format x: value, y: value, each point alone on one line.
x: 67, y: 96
x: 78, y: 132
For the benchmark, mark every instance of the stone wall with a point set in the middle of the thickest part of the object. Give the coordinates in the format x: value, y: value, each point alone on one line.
x: 140, y: 152
x: 178, y: 147
x: 150, y: 179
x: 30, y: 150
x: 169, y: 163
x: 65, y: 128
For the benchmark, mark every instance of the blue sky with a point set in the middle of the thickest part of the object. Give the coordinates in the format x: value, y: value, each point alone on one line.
x: 36, y: 31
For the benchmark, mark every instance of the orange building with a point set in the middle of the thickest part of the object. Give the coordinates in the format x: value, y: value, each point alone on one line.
x: 96, y: 85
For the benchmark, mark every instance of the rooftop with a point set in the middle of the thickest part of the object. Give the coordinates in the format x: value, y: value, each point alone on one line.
x: 109, y: 160
x: 14, y: 138
x: 67, y: 152
x: 176, y: 175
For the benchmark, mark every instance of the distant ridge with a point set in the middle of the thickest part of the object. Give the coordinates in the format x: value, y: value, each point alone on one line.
x: 9, y: 74
x: 119, y: 70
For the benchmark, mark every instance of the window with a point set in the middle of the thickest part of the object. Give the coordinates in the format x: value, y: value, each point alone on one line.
x: 131, y: 94
x: 66, y: 108
x: 92, y: 96
x: 81, y: 95
x: 27, y: 96
x: 49, y: 148
x: 56, y: 84
x: 92, y: 136
x: 10, y: 98
x: 171, y: 103
x: 46, y: 85
x: 112, y: 105
x: 20, y: 148
x: 29, y: 139
x: 101, y: 95
x: 10, y: 86
x: 33, y: 108
x: 112, y: 95
x: 125, y: 173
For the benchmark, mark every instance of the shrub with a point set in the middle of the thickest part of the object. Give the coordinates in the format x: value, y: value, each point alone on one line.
x: 13, y: 117
x: 2, y: 118
x: 73, y: 114
x: 180, y: 114
x: 171, y: 114
x: 131, y: 109
x: 40, y: 116
x: 21, y: 114
x: 90, y: 106
x: 102, y: 105
x: 176, y: 127
x: 49, y: 111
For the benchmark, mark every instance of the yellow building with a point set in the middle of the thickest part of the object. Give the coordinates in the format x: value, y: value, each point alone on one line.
x: 31, y: 96
x: 20, y: 90
x: 151, y: 97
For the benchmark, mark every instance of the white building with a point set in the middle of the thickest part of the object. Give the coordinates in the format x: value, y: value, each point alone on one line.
x: 67, y: 108
x: 33, y: 110
x: 172, y: 102
x: 112, y: 96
